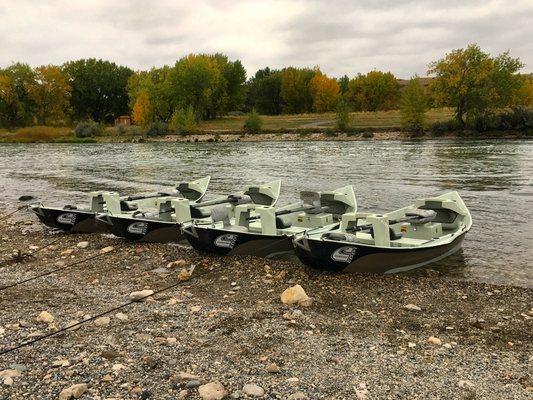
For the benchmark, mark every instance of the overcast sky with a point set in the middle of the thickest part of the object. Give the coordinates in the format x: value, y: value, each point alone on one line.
x: 341, y: 36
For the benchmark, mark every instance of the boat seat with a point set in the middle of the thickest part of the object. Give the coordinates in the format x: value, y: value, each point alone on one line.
x: 393, y: 235
x: 342, y: 237
x: 199, y: 212
x: 125, y: 206
x: 283, y: 223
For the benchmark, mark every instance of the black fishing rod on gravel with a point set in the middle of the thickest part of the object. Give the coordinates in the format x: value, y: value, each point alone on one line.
x: 116, y: 308
x: 14, y: 212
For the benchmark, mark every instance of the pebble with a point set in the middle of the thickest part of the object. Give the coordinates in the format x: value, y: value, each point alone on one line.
x: 177, y: 264
x: 297, y: 396
x: 273, y: 368
x: 83, y: 245
x: 73, y: 392
x: 107, y: 249
x: 294, y: 294
x: 212, y: 391
x: 251, y: 389
x: 464, y: 384
x: 102, y: 321
x: 412, y: 307
x: 45, y: 317
x: 136, y: 296
x: 434, y: 341
x: 184, y: 275
x: 192, y: 384
x: 121, y: 316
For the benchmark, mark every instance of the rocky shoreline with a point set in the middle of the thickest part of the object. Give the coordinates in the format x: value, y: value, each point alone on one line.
x: 226, y: 331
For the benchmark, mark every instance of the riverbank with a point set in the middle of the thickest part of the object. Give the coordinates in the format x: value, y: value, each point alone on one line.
x: 362, y: 337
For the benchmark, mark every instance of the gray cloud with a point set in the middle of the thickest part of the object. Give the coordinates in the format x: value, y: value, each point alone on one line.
x: 341, y: 36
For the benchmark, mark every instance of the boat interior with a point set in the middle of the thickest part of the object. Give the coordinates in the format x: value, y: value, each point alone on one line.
x: 427, y: 220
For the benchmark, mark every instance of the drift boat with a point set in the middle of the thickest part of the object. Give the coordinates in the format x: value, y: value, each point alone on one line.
x: 262, y: 230
x: 427, y: 231
x: 72, y: 218
x: 166, y: 224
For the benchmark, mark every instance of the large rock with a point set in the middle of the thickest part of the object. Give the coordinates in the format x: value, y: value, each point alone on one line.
x: 294, y: 295
x: 212, y: 391
x: 251, y: 389
x: 136, y: 296
x: 45, y: 317
x: 73, y: 392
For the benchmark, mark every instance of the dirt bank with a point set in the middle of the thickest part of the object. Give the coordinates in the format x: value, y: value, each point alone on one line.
x: 357, y: 340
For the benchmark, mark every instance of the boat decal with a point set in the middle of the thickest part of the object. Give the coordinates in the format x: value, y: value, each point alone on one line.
x: 344, y: 254
x: 226, y: 241
x: 66, y: 218
x: 138, y: 228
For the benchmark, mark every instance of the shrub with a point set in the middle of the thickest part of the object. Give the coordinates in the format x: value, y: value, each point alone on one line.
x: 253, y: 123
x: 518, y: 118
x: 121, y: 129
x: 156, y: 128
x: 184, y: 121
x: 413, y: 107
x: 88, y: 129
x: 342, y: 118
x: 439, y: 128
x: 368, y: 135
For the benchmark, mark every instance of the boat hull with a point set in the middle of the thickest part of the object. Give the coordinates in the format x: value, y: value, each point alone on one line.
x: 75, y: 221
x: 236, y: 243
x: 350, y: 257
x: 144, y: 230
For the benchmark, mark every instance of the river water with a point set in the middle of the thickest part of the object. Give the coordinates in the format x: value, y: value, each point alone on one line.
x: 494, y: 178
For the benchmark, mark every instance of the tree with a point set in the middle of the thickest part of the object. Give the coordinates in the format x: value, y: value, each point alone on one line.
x: 253, y: 123
x: 295, y: 91
x: 264, y: 92
x: 374, y: 91
x: 196, y: 81
x: 50, y: 92
x: 342, y: 118
x: 99, y: 89
x: 16, y: 108
x: 344, y: 81
x: 234, y: 75
x: 142, y: 110
x: 184, y: 121
x: 474, y: 83
x: 325, y: 92
x: 413, y: 106
x: 156, y: 84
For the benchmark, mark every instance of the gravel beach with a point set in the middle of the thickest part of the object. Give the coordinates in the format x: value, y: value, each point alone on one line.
x: 224, y: 332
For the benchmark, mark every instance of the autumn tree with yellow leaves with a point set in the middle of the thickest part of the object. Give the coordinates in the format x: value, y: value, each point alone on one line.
x: 325, y: 92
x: 142, y: 110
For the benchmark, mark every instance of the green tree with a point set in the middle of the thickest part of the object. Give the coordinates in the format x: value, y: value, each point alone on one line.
x: 253, y: 123
x: 413, y: 106
x: 99, y: 89
x: 295, y: 91
x: 474, y: 83
x: 50, y: 92
x: 184, y: 121
x: 374, y: 91
x: 234, y: 76
x: 342, y: 118
x: 264, y: 92
x: 197, y: 81
x: 156, y: 83
x: 16, y: 108
x: 344, y: 81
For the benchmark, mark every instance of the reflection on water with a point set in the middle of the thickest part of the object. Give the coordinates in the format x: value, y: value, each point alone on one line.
x: 495, y: 179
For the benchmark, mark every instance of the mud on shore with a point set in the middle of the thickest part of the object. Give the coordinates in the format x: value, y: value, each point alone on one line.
x: 357, y: 340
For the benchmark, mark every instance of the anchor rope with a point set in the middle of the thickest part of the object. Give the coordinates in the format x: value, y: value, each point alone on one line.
x: 13, y: 212
x: 113, y: 309
x: 10, y: 260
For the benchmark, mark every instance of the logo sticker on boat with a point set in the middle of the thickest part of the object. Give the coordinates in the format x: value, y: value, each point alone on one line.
x: 226, y: 241
x: 138, y: 228
x: 66, y: 218
x: 344, y: 254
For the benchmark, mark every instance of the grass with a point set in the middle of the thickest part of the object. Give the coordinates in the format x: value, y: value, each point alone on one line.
x: 378, y: 119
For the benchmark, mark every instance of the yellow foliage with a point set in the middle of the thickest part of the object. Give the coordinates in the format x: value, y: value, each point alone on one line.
x: 142, y: 110
x: 325, y: 92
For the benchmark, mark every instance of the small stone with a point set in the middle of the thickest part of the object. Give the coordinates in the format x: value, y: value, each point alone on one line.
x: 183, y: 394
x: 273, y: 368
x: 212, y: 391
x: 434, y: 341
x: 73, y: 325
x: 195, y: 309
x: 45, y: 317
x: 412, y: 307
x: 293, y: 295
x: 109, y: 354
x: 141, y: 295
x: 33, y: 247
x: 192, y: 384
x: 292, y: 380
x: 411, y: 345
x: 102, y: 321
x: 26, y: 197
x: 464, y: 384
x: 184, y: 275
x: 60, y: 363
x: 107, y: 249
x: 361, y: 391
x: 8, y: 381
x: 251, y: 389
x: 177, y: 264
x: 297, y: 396
x: 73, y: 392
x: 83, y: 245
x: 121, y: 316
x: 447, y: 345
x: 10, y: 373
x: 107, y: 378
x: 185, y: 376
x: 67, y: 252
x: 172, y: 340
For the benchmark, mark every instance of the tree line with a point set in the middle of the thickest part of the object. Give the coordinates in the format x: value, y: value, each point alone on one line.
x: 207, y: 86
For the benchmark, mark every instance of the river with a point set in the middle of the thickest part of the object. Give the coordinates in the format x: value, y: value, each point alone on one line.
x: 494, y: 178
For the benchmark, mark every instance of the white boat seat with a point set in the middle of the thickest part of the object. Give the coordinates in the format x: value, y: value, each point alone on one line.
x: 283, y: 222
x: 424, y: 216
x: 199, y: 212
x: 125, y: 206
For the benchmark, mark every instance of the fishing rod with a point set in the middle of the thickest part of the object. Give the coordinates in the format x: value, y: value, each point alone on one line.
x: 113, y: 309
